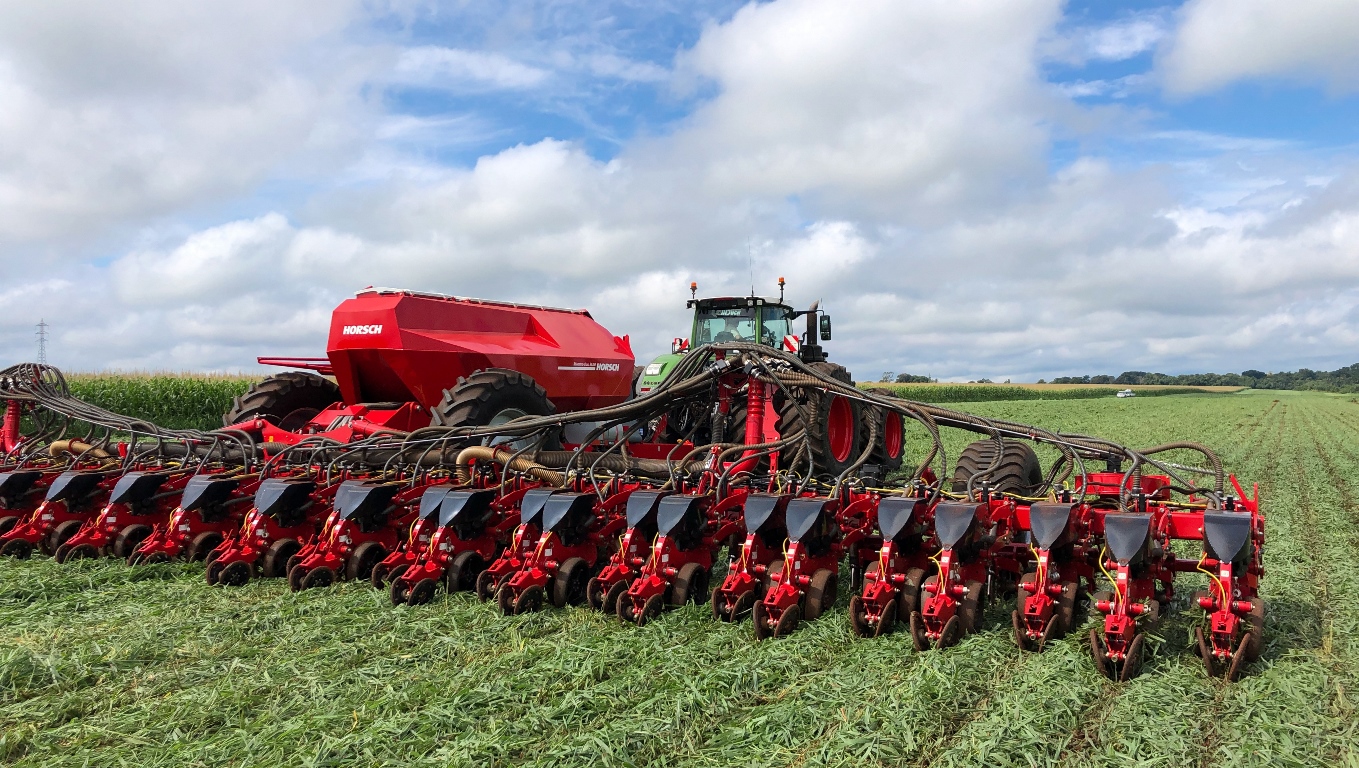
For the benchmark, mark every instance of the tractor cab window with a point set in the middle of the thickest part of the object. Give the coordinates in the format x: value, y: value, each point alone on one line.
x: 725, y: 325
x: 777, y: 324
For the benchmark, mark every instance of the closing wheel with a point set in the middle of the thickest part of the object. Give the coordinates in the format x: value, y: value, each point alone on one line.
x: 155, y: 558
x: 486, y: 586
x: 359, y: 566
x: 970, y: 609
x: 761, y: 620
x: 568, y: 587
x: 820, y: 593
x: 463, y: 571
x: 919, y: 639
x: 1256, y: 629
x: 129, y: 539
x: 1239, y: 659
x: 17, y: 548
x: 398, y: 592
x: 1205, y: 653
x: 652, y: 609
x: 1099, y: 653
x: 691, y: 583
x: 887, y: 620
x: 423, y: 592
x: 235, y: 574
x: 296, y: 575
x: 61, y: 553
x: 277, y: 556
x: 504, y: 599
x: 953, y: 632
x: 378, y: 576
x: 529, y: 601
x: 1132, y: 664
x: 82, y: 552
x: 213, y: 574
x: 788, y: 622
x: 858, y: 618
x: 595, y: 592
x: 202, y: 544
x: 134, y: 559
x: 627, y: 610
x: 318, y: 578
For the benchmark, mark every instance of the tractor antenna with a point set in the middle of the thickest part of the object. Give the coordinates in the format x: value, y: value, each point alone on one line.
x: 750, y: 263
x: 780, y: 290
x: 42, y: 341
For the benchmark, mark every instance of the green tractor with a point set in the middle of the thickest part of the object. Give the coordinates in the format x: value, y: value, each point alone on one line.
x: 839, y: 428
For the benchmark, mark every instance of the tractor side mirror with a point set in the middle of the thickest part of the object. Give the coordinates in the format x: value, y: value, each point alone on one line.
x: 825, y: 328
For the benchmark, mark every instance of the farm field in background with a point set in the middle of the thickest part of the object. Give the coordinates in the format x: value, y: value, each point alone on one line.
x: 101, y: 664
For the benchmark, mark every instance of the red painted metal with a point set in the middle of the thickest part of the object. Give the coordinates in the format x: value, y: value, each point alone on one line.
x: 400, y: 346
x: 9, y: 433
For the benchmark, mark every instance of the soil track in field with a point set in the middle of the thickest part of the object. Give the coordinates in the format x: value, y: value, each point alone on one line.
x: 101, y: 664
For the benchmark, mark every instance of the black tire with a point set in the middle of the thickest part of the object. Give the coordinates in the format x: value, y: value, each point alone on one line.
x: 277, y: 556
x: 202, y: 544
x: 359, y: 566
x: 63, y: 533
x: 7, y: 522
x: 463, y: 572
x: 235, y: 574
x: 568, y: 588
x: 820, y: 594
x: 691, y: 583
x: 830, y: 458
x: 287, y: 399
x: 1017, y: 471
x: 888, y: 421
x: 129, y: 539
x: 492, y: 395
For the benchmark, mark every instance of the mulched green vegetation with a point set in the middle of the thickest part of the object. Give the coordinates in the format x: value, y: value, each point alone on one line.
x: 105, y: 665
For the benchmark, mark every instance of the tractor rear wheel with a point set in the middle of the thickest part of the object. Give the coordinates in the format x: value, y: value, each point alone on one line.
x: 889, y: 449
x: 1017, y: 470
x: 491, y: 397
x: 288, y: 399
x: 7, y: 522
x: 834, y: 424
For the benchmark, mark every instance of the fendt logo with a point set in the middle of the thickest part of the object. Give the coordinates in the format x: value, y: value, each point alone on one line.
x: 361, y: 330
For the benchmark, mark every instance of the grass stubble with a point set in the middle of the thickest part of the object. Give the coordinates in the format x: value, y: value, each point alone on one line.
x: 105, y: 665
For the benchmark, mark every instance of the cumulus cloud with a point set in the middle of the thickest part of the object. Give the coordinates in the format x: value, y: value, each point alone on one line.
x: 1217, y: 42
x: 892, y: 159
x: 114, y: 114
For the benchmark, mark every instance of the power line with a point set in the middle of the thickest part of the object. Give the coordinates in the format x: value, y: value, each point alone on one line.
x: 42, y: 341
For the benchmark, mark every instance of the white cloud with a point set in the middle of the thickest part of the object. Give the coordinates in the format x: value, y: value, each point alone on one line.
x: 1115, y: 41
x: 1217, y: 42
x: 456, y: 69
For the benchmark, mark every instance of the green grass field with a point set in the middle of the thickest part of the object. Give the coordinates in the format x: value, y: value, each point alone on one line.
x: 103, y: 665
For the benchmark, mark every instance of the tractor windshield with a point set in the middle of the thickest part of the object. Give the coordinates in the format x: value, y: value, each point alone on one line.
x: 778, y: 323
x: 712, y: 325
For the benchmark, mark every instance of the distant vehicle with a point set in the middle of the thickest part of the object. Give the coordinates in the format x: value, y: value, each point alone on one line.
x: 1127, y: 393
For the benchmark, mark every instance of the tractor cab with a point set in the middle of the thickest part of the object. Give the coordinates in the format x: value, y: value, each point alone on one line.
x: 738, y: 319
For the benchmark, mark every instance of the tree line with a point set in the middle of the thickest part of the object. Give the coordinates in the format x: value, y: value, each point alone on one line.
x: 1341, y: 380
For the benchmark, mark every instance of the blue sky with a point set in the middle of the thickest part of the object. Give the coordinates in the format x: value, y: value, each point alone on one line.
x: 1017, y: 191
